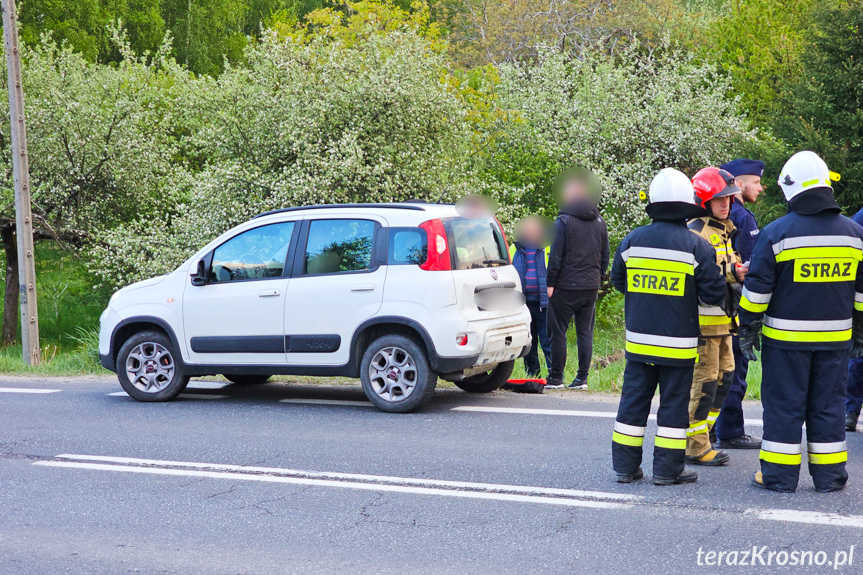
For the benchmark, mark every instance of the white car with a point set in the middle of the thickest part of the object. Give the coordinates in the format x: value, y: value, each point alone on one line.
x: 395, y: 294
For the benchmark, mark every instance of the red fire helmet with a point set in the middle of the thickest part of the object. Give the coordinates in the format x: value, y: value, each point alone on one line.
x: 712, y: 183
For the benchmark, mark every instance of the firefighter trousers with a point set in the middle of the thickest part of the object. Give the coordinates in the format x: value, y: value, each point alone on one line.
x: 712, y: 379
x: 639, y: 386
x: 803, y: 386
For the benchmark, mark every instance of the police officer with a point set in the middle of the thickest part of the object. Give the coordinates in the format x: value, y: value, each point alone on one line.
x: 854, y: 396
x: 664, y: 270
x: 714, y: 370
x: 729, y: 432
x: 804, y: 290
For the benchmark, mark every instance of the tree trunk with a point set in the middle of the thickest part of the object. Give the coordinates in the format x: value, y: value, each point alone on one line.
x: 10, y: 298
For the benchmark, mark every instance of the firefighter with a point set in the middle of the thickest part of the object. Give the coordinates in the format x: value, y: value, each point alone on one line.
x: 804, y: 294
x: 664, y: 270
x: 714, y: 370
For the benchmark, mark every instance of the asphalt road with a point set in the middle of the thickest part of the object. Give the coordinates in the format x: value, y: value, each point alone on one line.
x: 234, y: 480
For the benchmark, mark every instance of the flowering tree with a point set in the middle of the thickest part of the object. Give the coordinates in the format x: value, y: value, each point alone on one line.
x: 353, y: 106
x: 622, y: 118
x: 100, y: 145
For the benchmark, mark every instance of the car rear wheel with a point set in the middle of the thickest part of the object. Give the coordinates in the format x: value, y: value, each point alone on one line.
x: 149, y: 369
x: 396, y: 374
x: 487, y: 382
x: 246, y: 379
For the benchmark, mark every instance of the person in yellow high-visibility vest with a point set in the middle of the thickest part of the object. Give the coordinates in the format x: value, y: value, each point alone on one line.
x: 714, y: 370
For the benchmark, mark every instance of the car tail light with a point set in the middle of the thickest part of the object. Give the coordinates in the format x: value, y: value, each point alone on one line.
x: 503, y: 233
x: 438, y: 258
x: 461, y: 339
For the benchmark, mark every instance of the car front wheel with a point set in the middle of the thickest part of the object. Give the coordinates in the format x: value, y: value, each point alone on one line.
x: 396, y: 374
x: 148, y: 367
x: 489, y: 381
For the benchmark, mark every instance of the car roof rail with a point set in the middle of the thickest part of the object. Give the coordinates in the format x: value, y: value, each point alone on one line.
x: 397, y: 206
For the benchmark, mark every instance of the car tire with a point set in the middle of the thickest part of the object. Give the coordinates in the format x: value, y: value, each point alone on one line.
x: 246, y: 379
x: 487, y: 382
x: 396, y: 374
x: 149, y: 367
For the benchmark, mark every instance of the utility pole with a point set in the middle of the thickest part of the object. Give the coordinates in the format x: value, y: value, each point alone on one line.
x: 21, y: 173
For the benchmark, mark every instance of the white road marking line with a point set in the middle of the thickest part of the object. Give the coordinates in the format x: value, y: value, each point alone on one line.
x: 182, y: 395
x: 343, y: 484
x: 329, y: 402
x: 565, y: 412
x: 26, y: 390
x: 413, y: 481
x: 815, y: 517
x: 535, y: 411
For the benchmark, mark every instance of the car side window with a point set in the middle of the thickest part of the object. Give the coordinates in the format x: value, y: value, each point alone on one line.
x: 407, y: 246
x: 259, y: 253
x: 337, y: 246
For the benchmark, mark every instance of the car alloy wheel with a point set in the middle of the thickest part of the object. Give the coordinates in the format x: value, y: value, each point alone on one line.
x: 393, y: 374
x: 150, y: 367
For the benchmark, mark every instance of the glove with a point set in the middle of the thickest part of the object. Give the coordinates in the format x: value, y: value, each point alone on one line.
x: 727, y: 304
x: 750, y: 340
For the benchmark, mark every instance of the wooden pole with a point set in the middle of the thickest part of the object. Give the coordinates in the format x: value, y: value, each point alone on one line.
x: 21, y: 173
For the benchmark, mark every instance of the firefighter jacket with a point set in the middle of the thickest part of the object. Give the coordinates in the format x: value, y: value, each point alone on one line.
x: 664, y: 270
x: 714, y: 321
x: 805, y: 280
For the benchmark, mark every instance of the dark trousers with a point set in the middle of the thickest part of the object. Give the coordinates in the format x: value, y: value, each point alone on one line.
x: 854, y: 397
x: 562, y: 307
x: 538, y: 337
x: 730, y: 422
x: 803, y: 386
x: 639, y: 386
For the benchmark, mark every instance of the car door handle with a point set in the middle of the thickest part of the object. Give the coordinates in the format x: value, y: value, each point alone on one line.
x: 363, y: 287
x: 268, y: 293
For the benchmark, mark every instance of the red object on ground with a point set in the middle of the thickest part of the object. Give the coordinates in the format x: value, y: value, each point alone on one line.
x: 531, y: 385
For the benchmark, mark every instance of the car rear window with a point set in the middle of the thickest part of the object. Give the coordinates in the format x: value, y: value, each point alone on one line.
x: 475, y: 243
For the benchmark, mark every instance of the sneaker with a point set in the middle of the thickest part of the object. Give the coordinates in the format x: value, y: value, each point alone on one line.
x: 579, y: 384
x: 686, y: 477
x: 742, y: 442
x: 629, y: 478
x: 712, y: 458
x: 553, y: 383
x: 851, y: 421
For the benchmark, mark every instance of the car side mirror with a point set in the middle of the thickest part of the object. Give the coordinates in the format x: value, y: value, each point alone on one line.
x: 200, y: 277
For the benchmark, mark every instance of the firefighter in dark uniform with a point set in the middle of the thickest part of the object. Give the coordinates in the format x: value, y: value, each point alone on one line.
x: 729, y: 432
x: 804, y: 295
x: 664, y: 270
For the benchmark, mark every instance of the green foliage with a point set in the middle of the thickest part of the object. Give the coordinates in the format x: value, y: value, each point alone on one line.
x: 68, y: 303
x: 825, y: 99
x: 84, y: 24
x: 759, y: 43
x: 205, y: 32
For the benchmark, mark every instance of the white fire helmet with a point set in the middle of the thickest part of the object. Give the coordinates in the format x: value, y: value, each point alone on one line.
x: 804, y: 171
x: 671, y: 185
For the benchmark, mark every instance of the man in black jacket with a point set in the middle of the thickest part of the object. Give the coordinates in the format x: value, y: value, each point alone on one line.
x: 577, y: 263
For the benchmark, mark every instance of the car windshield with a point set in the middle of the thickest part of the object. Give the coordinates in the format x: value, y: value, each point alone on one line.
x: 476, y: 243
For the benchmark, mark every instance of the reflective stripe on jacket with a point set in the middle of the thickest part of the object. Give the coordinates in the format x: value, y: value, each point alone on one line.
x: 805, y: 281
x: 664, y: 270
x: 713, y: 320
